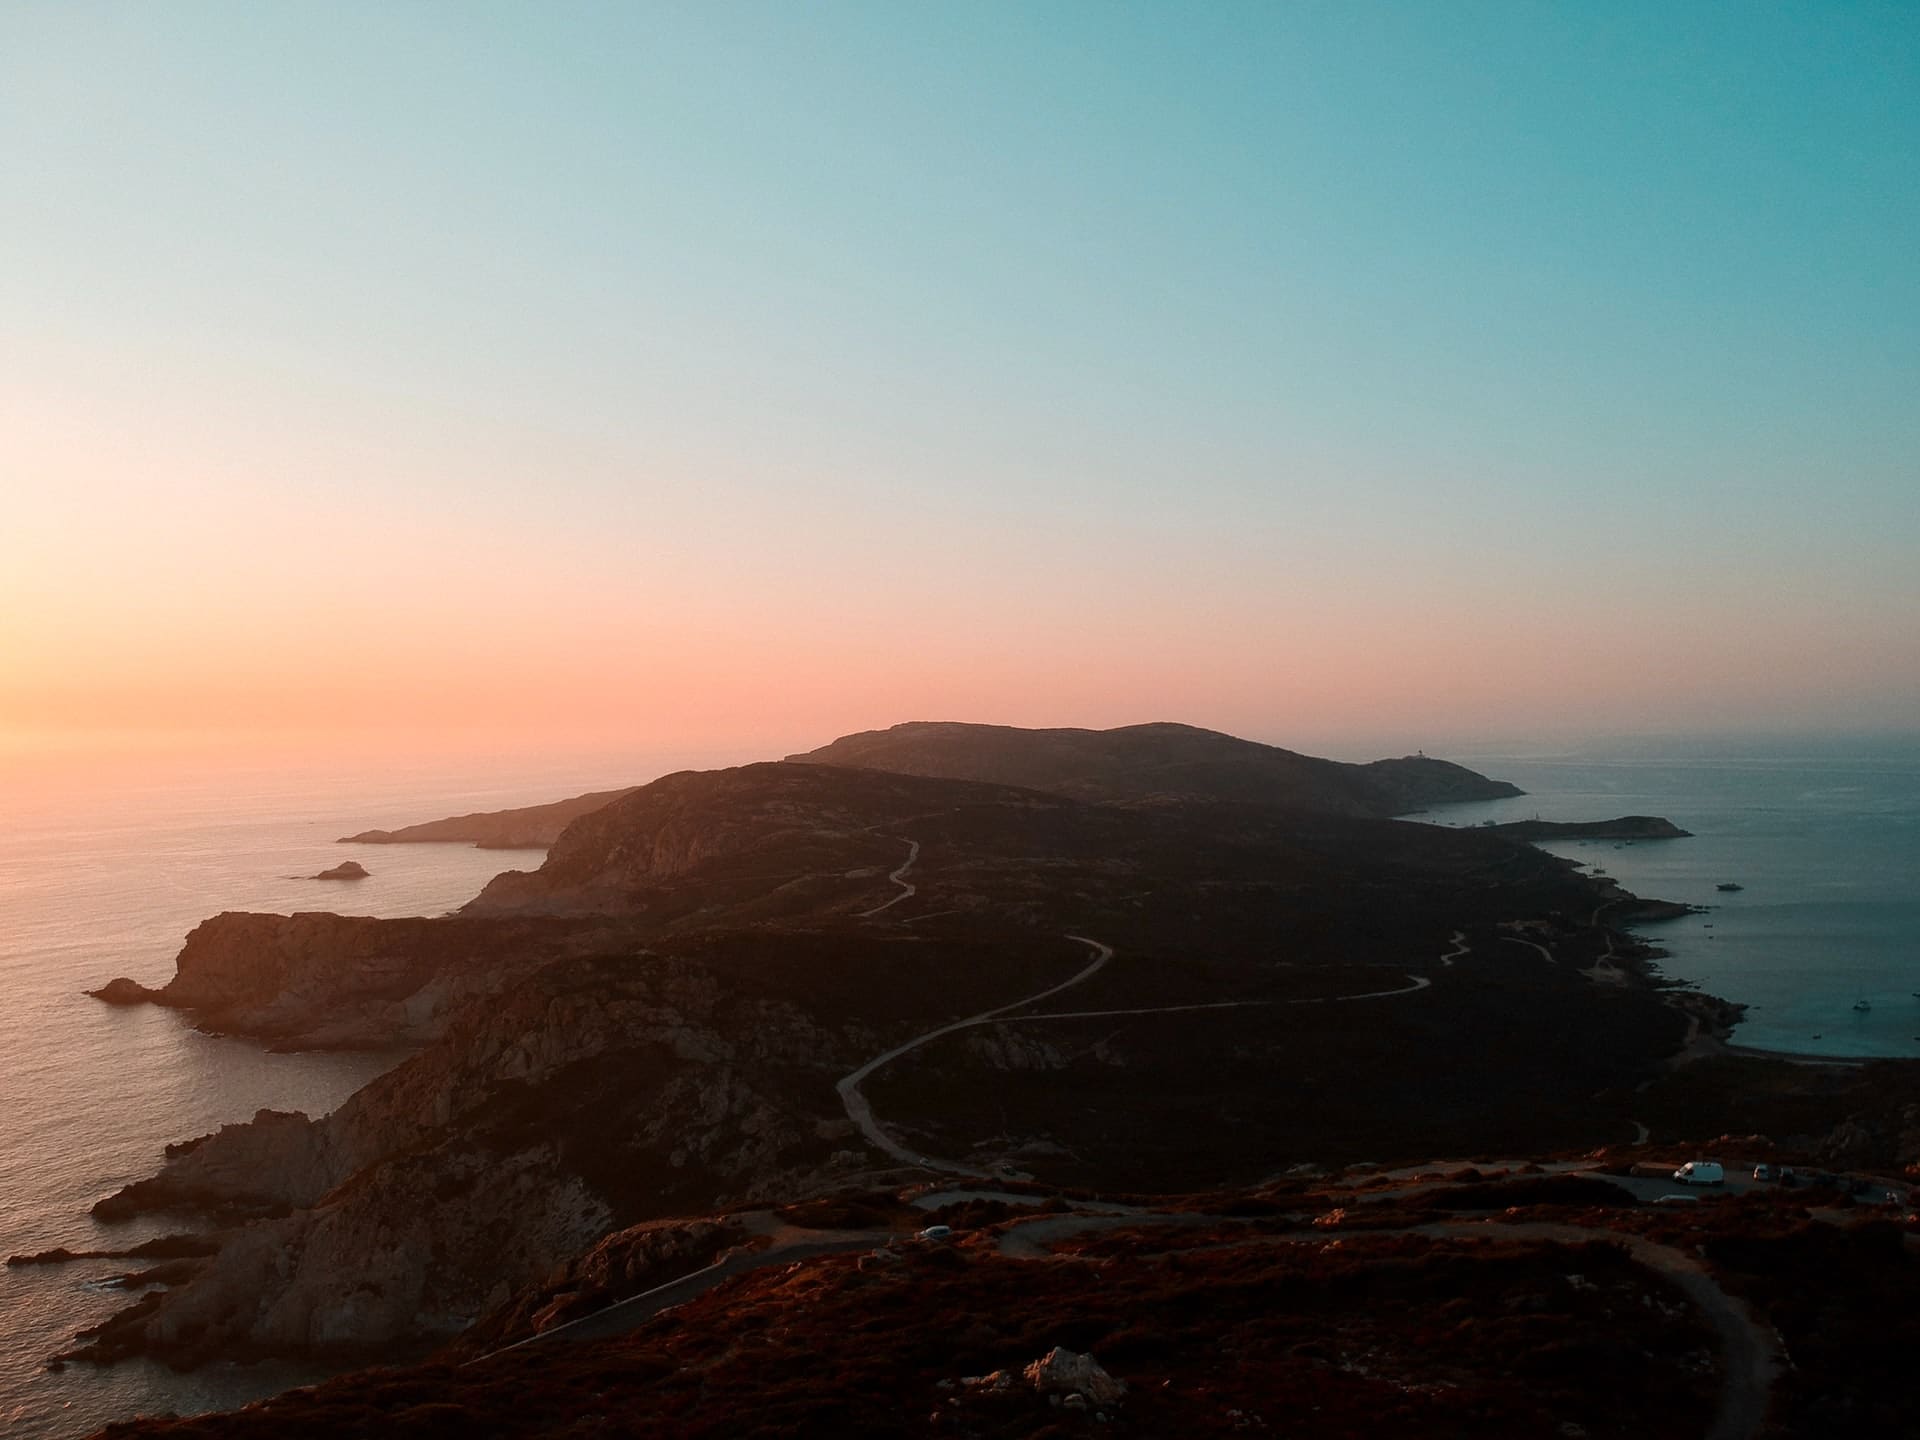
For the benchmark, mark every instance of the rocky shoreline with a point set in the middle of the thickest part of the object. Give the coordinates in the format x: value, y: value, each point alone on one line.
x: 647, y: 1032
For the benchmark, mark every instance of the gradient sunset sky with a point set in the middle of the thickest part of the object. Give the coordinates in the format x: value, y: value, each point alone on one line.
x: 745, y: 374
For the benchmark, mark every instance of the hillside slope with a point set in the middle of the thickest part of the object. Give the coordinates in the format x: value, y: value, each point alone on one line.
x: 530, y: 827
x: 1157, y: 762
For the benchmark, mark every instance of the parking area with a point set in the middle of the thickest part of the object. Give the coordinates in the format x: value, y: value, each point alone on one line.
x: 1655, y: 1183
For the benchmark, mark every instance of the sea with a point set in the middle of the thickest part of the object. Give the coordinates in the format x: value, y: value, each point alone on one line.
x: 1821, y: 833
x: 105, y: 866
x: 106, y: 862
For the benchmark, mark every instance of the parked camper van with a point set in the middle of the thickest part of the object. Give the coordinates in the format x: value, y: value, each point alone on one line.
x: 1700, y: 1172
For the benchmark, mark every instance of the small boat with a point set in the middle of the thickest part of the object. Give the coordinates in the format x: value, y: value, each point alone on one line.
x: 1861, y: 1005
x: 1729, y: 885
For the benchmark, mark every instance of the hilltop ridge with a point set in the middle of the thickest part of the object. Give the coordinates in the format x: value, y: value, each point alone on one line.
x: 1158, y: 761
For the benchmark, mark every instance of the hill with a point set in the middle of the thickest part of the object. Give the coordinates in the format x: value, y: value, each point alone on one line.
x: 744, y: 986
x: 1158, y: 762
x: 531, y: 827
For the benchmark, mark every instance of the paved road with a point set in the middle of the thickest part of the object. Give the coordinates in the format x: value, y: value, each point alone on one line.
x: 1416, y: 983
x: 860, y: 1111
x: 1749, y: 1351
x: 898, y: 877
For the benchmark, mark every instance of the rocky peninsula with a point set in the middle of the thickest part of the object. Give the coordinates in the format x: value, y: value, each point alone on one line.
x: 733, y: 990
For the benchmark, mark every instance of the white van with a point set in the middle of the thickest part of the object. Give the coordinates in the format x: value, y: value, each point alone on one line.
x: 1700, y: 1172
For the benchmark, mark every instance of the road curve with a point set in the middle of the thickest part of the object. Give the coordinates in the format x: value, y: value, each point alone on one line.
x: 1750, y: 1354
x: 898, y: 878
x: 1545, y: 954
x: 1419, y: 982
x: 860, y: 1111
x: 1749, y: 1350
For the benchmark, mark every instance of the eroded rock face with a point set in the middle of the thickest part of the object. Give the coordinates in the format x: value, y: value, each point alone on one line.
x: 320, y: 981
x: 410, y: 1253
x: 277, y: 1160
x: 594, y: 1094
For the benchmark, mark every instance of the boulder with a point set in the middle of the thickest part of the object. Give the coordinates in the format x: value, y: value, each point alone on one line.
x: 1067, y: 1372
x: 122, y: 991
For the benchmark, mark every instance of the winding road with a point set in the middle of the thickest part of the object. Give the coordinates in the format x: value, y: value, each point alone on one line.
x: 1749, y: 1351
x: 898, y: 877
x: 860, y: 1111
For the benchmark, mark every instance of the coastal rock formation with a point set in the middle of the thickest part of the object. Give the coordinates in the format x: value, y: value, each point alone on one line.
x: 530, y: 827
x: 670, y: 1042
x: 345, y: 870
x: 595, y: 1094
x: 122, y: 991
x: 269, y: 1164
x: 1626, y: 827
x: 316, y: 980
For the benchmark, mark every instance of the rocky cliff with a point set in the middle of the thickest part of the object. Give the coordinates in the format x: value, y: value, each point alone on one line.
x: 595, y: 1093
x: 320, y: 981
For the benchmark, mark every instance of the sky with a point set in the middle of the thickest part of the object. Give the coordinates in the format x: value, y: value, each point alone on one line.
x: 742, y: 375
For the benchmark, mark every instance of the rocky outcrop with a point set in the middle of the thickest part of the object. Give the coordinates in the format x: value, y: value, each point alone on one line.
x: 531, y: 827
x: 162, y: 1247
x: 275, y: 1161
x: 1626, y: 827
x: 595, y: 1094
x: 321, y: 981
x: 122, y: 991
x: 345, y: 870
x: 1067, y: 1372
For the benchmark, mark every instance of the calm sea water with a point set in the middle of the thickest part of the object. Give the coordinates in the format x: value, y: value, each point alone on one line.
x: 102, y: 873
x: 1824, y: 836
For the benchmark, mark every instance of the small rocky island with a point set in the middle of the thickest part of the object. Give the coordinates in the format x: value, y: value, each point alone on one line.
x: 345, y: 870
x: 1626, y: 827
